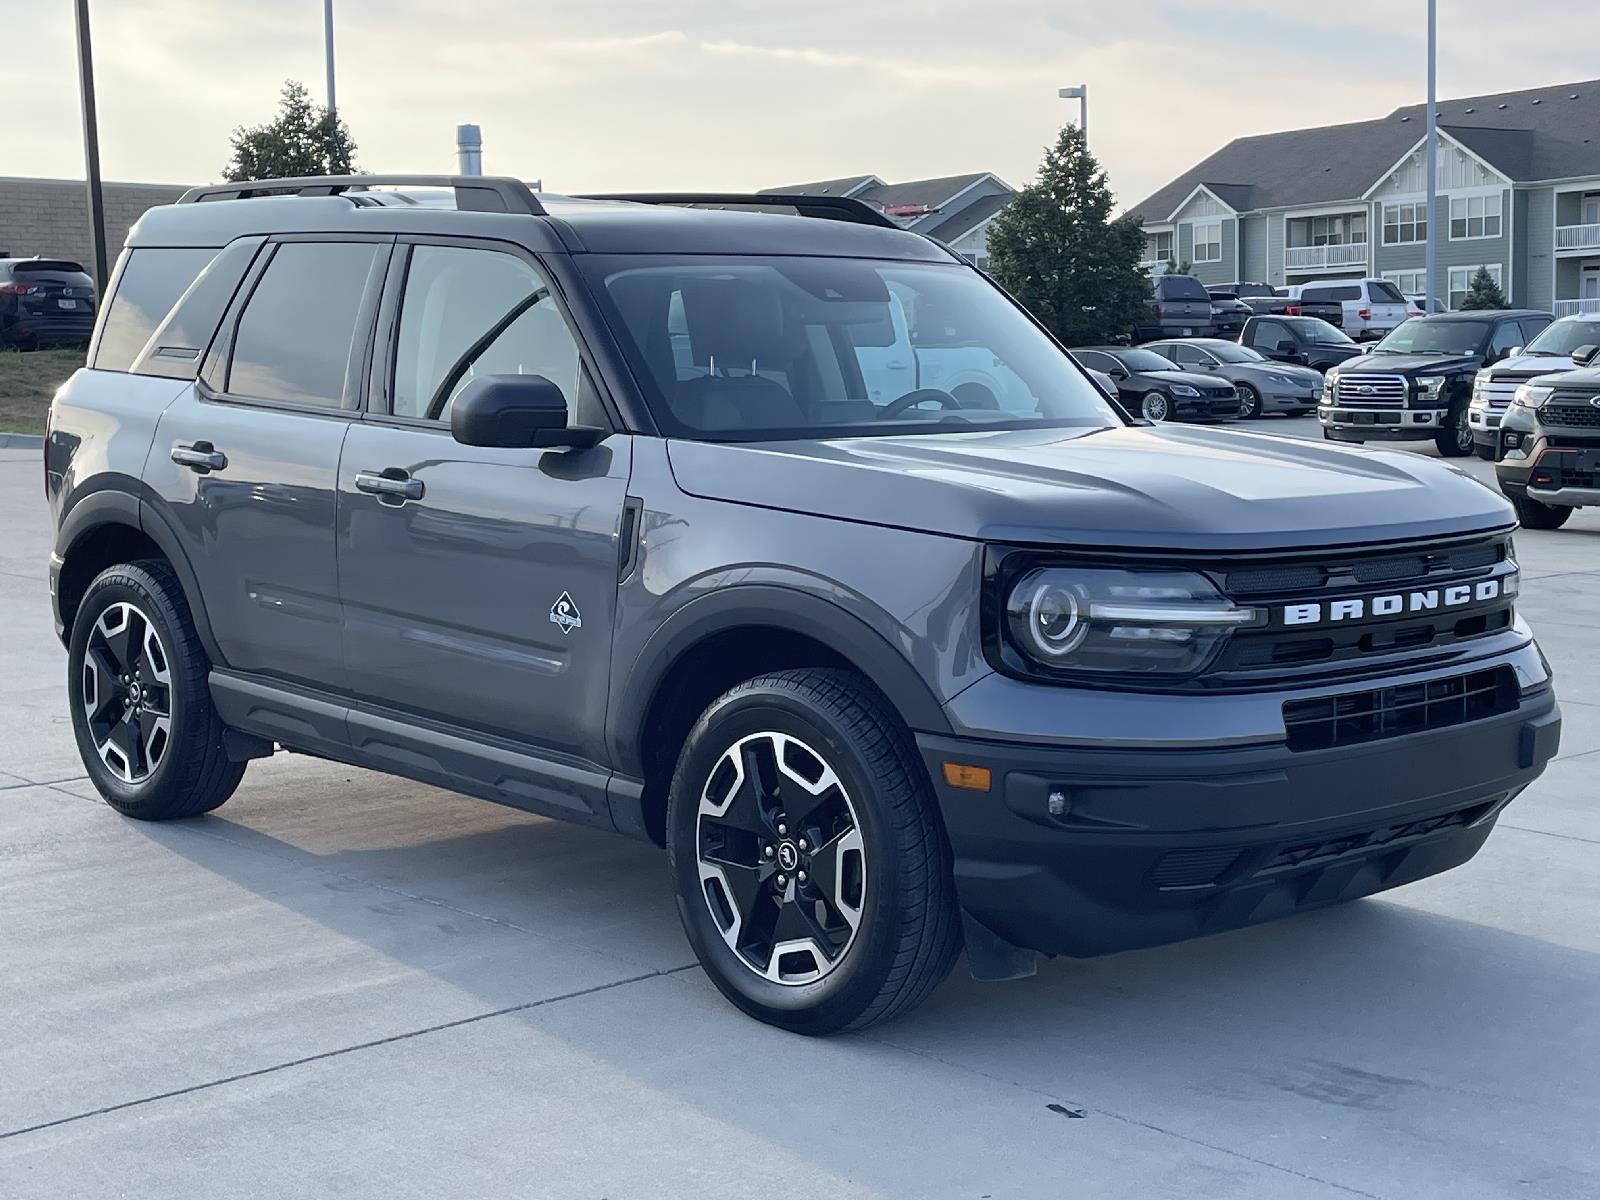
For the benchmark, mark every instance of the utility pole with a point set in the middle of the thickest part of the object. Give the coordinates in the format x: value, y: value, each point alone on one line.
x: 1080, y: 93
x: 91, y: 149
x: 1432, y: 157
x: 327, y: 42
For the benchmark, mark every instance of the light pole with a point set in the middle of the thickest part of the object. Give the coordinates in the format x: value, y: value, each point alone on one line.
x: 327, y: 42
x: 1432, y: 157
x: 91, y: 148
x: 1080, y: 93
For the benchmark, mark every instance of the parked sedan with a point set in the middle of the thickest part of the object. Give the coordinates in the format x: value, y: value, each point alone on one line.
x: 1152, y: 387
x: 45, y: 302
x: 1264, y: 386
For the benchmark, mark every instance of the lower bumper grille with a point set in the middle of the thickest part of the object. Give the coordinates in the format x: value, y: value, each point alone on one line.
x: 1353, y: 718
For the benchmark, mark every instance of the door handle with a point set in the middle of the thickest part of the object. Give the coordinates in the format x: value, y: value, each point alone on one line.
x: 390, y: 485
x: 202, y: 457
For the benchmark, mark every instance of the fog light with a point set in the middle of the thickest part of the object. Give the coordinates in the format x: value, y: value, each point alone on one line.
x: 1057, y: 804
x: 1513, y: 440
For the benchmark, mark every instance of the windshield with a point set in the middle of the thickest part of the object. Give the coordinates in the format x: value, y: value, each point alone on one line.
x: 1315, y: 329
x: 1565, y: 336
x: 1424, y: 335
x: 1236, y: 354
x: 758, y: 348
x: 1141, y: 360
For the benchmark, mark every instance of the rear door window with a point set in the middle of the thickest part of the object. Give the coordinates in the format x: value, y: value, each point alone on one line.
x: 1384, y: 292
x: 296, y: 335
x: 152, y: 280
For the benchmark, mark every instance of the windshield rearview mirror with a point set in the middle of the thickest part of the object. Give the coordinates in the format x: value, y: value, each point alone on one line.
x: 516, y: 411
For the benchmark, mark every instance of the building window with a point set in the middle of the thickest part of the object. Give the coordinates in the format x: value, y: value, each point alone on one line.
x: 1341, y: 230
x: 1158, y: 247
x: 1475, y: 216
x: 1409, y: 283
x: 1208, y: 242
x: 1461, y: 280
x: 1404, y: 223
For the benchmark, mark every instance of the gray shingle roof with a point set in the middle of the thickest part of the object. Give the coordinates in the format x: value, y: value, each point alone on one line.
x: 825, y: 187
x: 929, y: 192
x: 1537, y: 133
x: 965, y: 220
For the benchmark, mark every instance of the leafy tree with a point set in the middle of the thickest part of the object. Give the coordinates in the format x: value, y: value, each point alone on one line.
x: 1056, y: 248
x: 1484, y: 292
x: 303, y: 139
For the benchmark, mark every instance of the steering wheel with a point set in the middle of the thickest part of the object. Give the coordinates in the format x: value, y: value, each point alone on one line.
x: 921, y: 396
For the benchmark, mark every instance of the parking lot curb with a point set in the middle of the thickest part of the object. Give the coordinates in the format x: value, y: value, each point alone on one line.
x: 21, y: 441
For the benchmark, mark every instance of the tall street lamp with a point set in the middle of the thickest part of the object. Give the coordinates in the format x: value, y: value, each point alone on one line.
x: 327, y: 43
x: 1432, y: 157
x: 1080, y: 93
x: 91, y: 147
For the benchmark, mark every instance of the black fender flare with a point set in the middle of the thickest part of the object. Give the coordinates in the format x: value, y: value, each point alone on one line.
x: 771, y: 605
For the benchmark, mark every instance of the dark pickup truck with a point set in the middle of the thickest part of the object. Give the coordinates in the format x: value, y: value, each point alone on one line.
x: 1261, y: 298
x: 1303, y: 341
x: 1416, y: 384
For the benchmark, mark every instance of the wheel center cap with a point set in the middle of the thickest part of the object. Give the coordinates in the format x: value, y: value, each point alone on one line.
x: 134, y: 692
x: 788, y: 856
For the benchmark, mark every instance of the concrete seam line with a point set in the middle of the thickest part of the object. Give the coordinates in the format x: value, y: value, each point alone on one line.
x: 1565, y: 837
x: 1127, y: 1120
x: 326, y: 1054
x: 45, y: 783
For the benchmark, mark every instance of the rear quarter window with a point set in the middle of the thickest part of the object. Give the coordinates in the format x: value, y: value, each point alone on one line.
x: 1386, y: 293
x: 152, y: 280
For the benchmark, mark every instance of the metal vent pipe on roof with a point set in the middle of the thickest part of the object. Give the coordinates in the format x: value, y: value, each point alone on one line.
x: 469, y: 150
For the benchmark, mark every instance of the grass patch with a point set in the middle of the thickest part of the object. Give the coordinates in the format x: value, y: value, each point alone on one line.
x: 27, y: 381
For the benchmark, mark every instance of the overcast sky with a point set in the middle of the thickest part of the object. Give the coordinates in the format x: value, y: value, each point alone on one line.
x: 671, y: 94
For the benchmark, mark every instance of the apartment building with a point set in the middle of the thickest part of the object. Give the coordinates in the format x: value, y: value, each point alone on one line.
x: 1518, y: 178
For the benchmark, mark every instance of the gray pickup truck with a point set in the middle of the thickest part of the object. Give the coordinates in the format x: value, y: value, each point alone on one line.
x: 611, y: 509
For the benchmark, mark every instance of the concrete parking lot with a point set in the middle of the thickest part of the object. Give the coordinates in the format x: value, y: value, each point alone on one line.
x: 342, y: 984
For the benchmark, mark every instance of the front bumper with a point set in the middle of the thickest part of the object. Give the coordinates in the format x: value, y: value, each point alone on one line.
x: 1346, y: 423
x: 1485, y: 425
x: 1204, y: 408
x: 1559, y: 466
x: 1155, y: 843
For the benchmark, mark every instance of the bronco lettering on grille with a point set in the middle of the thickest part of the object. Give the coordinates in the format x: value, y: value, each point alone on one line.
x: 1392, y: 605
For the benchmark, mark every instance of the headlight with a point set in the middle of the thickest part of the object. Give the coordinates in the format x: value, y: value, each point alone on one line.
x: 1099, y: 621
x: 1280, y: 380
x: 1530, y: 396
x: 1183, y: 389
x: 1330, y: 378
x: 1431, y: 385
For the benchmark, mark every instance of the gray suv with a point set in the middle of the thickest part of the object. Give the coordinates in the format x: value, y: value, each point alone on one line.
x: 780, y: 538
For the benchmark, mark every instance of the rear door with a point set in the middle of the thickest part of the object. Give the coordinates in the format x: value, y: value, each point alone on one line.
x: 245, y: 461
x: 479, y: 589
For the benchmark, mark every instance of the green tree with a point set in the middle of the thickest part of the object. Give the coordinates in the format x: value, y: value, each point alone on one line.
x: 1056, y: 248
x: 303, y: 139
x: 1484, y: 292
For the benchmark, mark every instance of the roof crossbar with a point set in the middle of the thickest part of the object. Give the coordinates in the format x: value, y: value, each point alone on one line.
x: 821, y: 208
x: 474, y: 193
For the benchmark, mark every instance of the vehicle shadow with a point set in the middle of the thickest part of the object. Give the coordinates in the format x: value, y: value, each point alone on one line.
x: 1377, y: 1020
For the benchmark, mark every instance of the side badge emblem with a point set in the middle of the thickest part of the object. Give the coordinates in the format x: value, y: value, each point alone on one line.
x: 565, y: 614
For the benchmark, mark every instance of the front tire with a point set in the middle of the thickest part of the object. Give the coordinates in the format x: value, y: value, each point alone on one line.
x: 1535, y: 515
x: 1153, y: 406
x: 1454, y: 439
x: 141, y: 705
x: 807, y: 776
x: 1249, y: 403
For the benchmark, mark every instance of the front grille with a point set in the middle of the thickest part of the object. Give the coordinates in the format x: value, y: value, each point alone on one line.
x: 1352, y: 718
x: 1180, y: 869
x: 1371, y: 391
x: 1499, y: 389
x: 1308, y: 854
x: 1570, y: 416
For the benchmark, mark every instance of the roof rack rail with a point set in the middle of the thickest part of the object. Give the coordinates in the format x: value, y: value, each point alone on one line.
x: 474, y: 193
x: 821, y: 208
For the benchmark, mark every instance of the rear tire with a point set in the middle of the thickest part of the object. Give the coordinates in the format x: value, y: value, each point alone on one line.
x: 146, y: 729
x: 810, y: 772
x: 1535, y: 515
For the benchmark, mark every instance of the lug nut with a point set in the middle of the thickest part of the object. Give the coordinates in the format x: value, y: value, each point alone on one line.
x: 767, y: 852
x: 782, y: 829
x: 801, y: 876
x: 803, y: 845
x: 782, y: 881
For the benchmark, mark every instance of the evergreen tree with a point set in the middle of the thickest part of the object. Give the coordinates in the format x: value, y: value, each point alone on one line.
x: 1484, y: 292
x: 302, y: 139
x: 1056, y: 248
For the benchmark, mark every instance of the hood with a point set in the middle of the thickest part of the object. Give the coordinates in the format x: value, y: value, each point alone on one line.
x: 1260, y: 370
x: 1407, y: 364
x: 1194, y: 379
x: 1529, y: 365
x: 1156, y: 487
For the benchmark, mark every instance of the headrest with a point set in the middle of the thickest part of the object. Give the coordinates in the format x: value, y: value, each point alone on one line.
x: 735, y: 322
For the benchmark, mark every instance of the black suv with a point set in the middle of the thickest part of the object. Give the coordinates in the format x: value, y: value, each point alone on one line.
x: 585, y: 506
x: 1302, y: 341
x: 1549, y: 456
x: 45, y: 302
x: 1416, y: 384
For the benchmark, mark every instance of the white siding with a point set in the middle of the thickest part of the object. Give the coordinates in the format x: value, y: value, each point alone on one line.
x: 1457, y: 170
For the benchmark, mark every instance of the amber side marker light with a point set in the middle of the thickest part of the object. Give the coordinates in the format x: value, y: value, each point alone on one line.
x: 973, y: 779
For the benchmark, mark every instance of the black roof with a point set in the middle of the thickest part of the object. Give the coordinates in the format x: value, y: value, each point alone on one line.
x: 1483, y: 314
x: 1536, y: 133
x: 567, y: 224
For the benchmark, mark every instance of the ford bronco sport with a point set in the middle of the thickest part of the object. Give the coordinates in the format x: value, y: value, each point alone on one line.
x: 586, y: 506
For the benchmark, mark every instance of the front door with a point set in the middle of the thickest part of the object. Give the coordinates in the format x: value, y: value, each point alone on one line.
x: 479, y: 584
x: 245, y: 461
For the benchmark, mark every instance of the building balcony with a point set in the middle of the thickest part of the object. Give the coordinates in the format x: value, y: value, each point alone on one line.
x: 1339, y: 257
x: 1155, y: 266
x: 1578, y: 237
x: 1573, y: 308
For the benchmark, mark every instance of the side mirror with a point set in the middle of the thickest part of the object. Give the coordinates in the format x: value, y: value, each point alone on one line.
x: 1584, y: 355
x: 1118, y: 372
x: 1506, y: 352
x: 1287, y: 346
x: 514, y: 412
